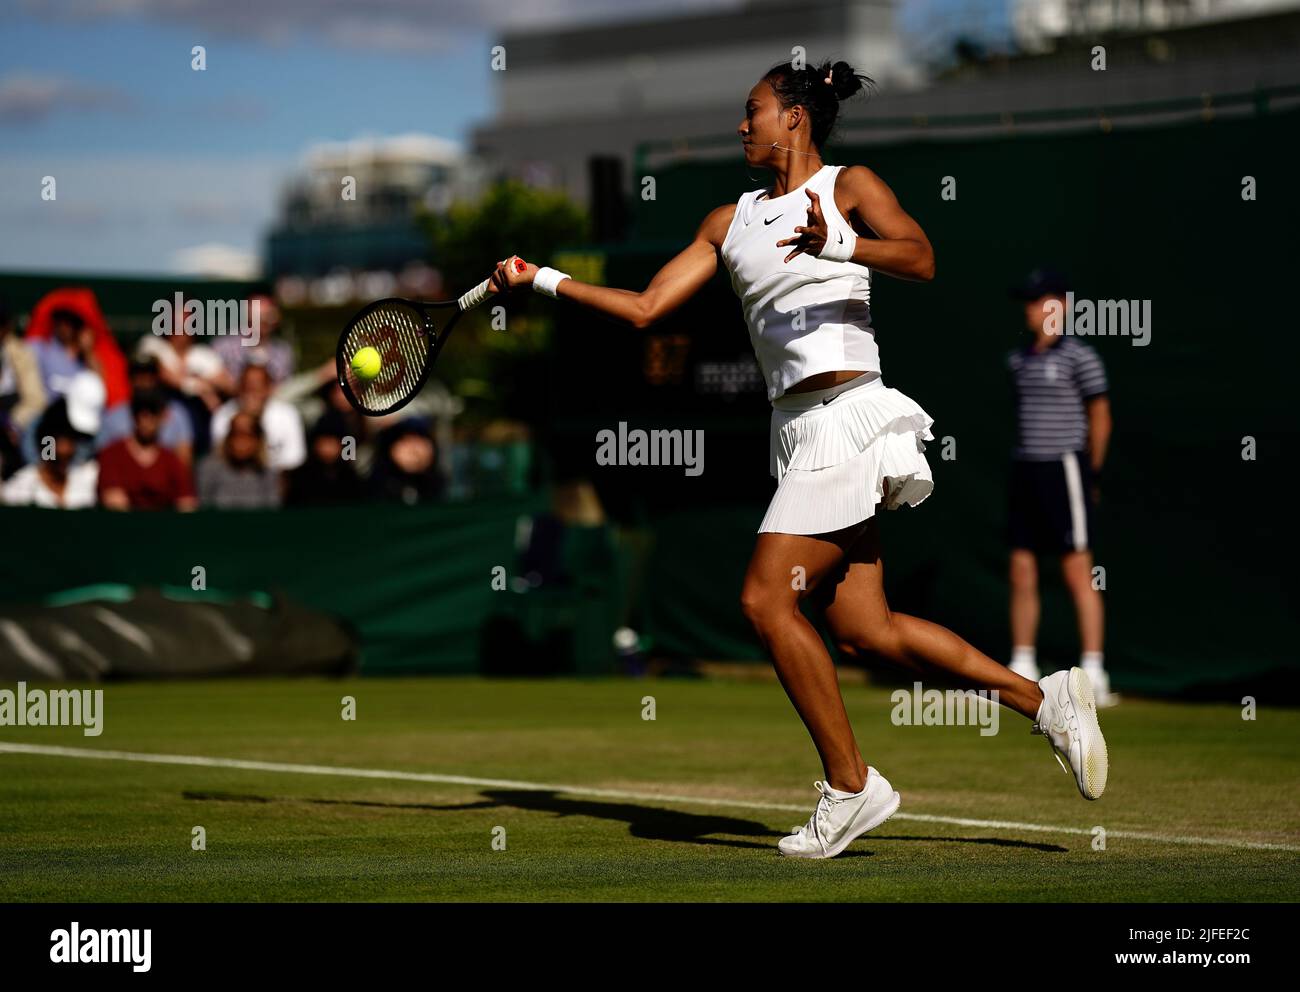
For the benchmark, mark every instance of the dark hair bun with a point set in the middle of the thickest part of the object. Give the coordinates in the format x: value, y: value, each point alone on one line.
x: 807, y: 86
x: 844, y: 81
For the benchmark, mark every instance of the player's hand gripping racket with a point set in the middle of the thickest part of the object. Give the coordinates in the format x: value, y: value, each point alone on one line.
x: 387, y: 350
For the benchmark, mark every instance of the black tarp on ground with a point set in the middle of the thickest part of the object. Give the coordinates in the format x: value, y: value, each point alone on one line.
x: 115, y: 632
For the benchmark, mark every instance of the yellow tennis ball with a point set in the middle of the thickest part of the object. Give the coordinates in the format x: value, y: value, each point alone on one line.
x: 366, y: 363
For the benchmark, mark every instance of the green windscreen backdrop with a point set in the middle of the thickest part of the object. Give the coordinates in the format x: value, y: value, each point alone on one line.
x: 414, y: 582
x: 1195, y: 540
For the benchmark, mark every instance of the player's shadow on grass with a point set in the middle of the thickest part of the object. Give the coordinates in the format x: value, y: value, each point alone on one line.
x: 652, y: 823
x: 241, y: 797
x: 647, y: 822
x: 994, y: 841
x: 644, y: 822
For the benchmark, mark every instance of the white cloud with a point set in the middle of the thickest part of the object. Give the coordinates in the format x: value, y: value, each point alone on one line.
x: 30, y: 97
x: 411, y: 26
x: 218, y: 261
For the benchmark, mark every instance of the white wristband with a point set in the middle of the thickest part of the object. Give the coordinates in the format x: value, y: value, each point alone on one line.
x: 547, y: 279
x: 839, y: 251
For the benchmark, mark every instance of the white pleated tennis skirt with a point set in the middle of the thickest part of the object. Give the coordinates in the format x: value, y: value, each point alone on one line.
x: 835, y: 450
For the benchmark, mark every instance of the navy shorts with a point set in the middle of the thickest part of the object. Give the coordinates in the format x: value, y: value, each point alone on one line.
x: 1051, y: 505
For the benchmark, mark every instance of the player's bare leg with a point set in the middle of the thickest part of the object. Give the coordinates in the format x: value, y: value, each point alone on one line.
x: 862, y: 623
x: 782, y: 570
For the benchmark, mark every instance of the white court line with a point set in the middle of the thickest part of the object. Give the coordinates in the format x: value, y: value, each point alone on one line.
x: 582, y: 790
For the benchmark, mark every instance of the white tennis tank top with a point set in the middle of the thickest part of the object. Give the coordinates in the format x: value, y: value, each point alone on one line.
x: 807, y: 315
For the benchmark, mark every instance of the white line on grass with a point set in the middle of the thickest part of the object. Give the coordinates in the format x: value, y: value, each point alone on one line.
x: 582, y: 790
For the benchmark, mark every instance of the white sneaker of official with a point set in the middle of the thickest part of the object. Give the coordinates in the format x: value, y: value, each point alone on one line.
x: 1100, y: 680
x: 836, y: 823
x: 1026, y: 670
x: 1068, y: 719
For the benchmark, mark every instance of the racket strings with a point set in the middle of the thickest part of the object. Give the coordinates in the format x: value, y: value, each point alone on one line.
x: 398, y: 334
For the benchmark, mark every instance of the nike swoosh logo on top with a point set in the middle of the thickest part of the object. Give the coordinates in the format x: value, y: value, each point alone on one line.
x: 828, y: 399
x: 778, y: 217
x: 841, y: 237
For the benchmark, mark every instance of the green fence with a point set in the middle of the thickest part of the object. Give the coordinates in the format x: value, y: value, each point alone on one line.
x: 1195, y: 540
x: 415, y: 582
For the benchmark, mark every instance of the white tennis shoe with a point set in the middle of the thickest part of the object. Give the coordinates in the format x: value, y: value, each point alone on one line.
x: 1068, y: 719
x: 836, y: 823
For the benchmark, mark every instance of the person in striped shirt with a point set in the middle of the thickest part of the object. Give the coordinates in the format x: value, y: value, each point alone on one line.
x: 1063, y: 425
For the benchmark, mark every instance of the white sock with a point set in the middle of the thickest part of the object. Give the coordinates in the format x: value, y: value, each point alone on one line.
x: 1023, y: 655
x: 1090, y: 661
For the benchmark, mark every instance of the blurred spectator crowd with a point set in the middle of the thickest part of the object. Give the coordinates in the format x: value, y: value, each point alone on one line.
x: 188, y: 421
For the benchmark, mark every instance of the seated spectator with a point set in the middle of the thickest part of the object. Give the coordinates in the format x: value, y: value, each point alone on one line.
x: 235, y: 475
x: 174, y: 433
x: 137, y: 473
x: 326, y: 478
x: 194, y: 371
x: 286, y: 447
x: 83, y: 406
x: 68, y: 350
x: 54, y: 481
x: 337, y: 406
x: 275, y: 355
x: 406, y: 468
x: 317, y: 391
x: 68, y: 333
x: 22, y: 393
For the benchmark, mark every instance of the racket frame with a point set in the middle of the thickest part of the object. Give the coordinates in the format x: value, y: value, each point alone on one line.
x: 435, y: 338
x: 466, y: 301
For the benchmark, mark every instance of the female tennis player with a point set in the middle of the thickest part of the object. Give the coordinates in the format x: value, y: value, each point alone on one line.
x: 801, y: 257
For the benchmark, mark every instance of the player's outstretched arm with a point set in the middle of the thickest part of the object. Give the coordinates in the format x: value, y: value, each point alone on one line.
x: 671, y: 286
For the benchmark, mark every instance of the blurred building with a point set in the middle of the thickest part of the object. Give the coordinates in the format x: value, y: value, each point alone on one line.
x: 1038, y: 25
x: 350, y: 214
x: 574, y: 103
x: 1165, y: 61
x: 936, y: 30
x: 589, y: 109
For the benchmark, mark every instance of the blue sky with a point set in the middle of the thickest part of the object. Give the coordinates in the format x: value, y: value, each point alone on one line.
x: 153, y: 159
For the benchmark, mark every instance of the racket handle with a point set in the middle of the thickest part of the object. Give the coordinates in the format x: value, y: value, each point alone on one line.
x: 476, y: 295
x: 480, y: 292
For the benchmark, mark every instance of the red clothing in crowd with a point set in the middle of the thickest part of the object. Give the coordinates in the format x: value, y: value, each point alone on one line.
x: 149, y: 487
x: 113, y: 367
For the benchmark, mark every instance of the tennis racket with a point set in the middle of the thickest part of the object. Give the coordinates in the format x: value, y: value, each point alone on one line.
x: 408, y: 334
